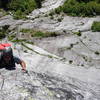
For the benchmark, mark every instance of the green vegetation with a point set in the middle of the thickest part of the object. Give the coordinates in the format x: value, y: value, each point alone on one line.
x: 4, y: 31
x: 51, y: 13
x: 85, y: 58
x: 60, y: 19
x: 20, y: 8
x: 97, y: 53
x: 58, y: 10
x: 2, y: 13
x: 38, y: 2
x: 16, y: 40
x: 70, y: 61
x: 11, y: 37
x: 2, y: 35
x: 96, y: 26
x: 39, y: 34
x: 19, y: 40
x: 80, y: 7
x: 78, y: 33
x: 51, y: 17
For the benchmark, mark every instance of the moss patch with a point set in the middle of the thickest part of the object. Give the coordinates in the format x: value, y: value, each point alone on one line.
x: 4, y: 31
x: 97, y: 53
x: 78, y: 33
x: 95, y: 26
x: 39, y: 34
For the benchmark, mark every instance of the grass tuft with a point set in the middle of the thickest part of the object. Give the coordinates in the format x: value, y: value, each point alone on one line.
x: 78, y: 33
x: 95, y: 26
x: 39, y: 34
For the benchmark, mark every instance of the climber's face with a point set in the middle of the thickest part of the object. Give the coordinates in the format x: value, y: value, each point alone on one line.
x: 7, y: 58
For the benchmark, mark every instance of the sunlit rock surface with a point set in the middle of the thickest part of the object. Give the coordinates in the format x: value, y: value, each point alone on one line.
x: 48, y: 78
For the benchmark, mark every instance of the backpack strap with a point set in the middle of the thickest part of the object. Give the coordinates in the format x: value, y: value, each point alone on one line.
x: 1, y: 50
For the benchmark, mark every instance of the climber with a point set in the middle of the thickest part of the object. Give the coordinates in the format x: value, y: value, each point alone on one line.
x: 7, y: 60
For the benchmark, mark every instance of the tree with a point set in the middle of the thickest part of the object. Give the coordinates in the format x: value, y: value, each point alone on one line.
x: 38, y: 2
x: 88, y: 1
x: 4, y: 3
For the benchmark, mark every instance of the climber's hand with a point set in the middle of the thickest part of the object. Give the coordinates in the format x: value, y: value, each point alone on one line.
x: 24, y: 71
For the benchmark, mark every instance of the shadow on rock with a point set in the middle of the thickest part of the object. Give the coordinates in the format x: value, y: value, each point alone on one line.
x: 8, y: 67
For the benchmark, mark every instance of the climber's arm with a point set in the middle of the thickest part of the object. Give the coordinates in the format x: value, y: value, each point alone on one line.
x: 23, y: 65
x: 21, y: 62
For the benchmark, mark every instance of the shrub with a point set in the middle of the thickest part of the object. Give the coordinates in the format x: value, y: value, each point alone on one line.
x: 51, y: 17
x: 22, y: 4
x: 58, y: 10
x: 19, y: 14
x: 97, y: 53
x: 18, y: 40
x: 4, y: 31
x: 21, y: 7
x: 3, y: 3
x: 80, y: 7
x: 96, y: 26
x: 84, y: 1
x: 40, y: 34
x: 60, y: 19
x: 2, y: 13
x: 51, y: 13
x: 78, y: 33
x: 25, y: 30
x: 11, y: 37
x: 70, y: 61
x: 2, y: 35
x: 44, y: 34
x: 38, y: 2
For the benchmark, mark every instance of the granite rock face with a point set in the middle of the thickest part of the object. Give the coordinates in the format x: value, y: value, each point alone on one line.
x: 65, y: 67
x: 48, y: 78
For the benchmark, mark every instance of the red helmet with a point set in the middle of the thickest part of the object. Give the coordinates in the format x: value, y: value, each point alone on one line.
x: 1, y: 47
x: 6, y: 49
x: 6, y: 45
